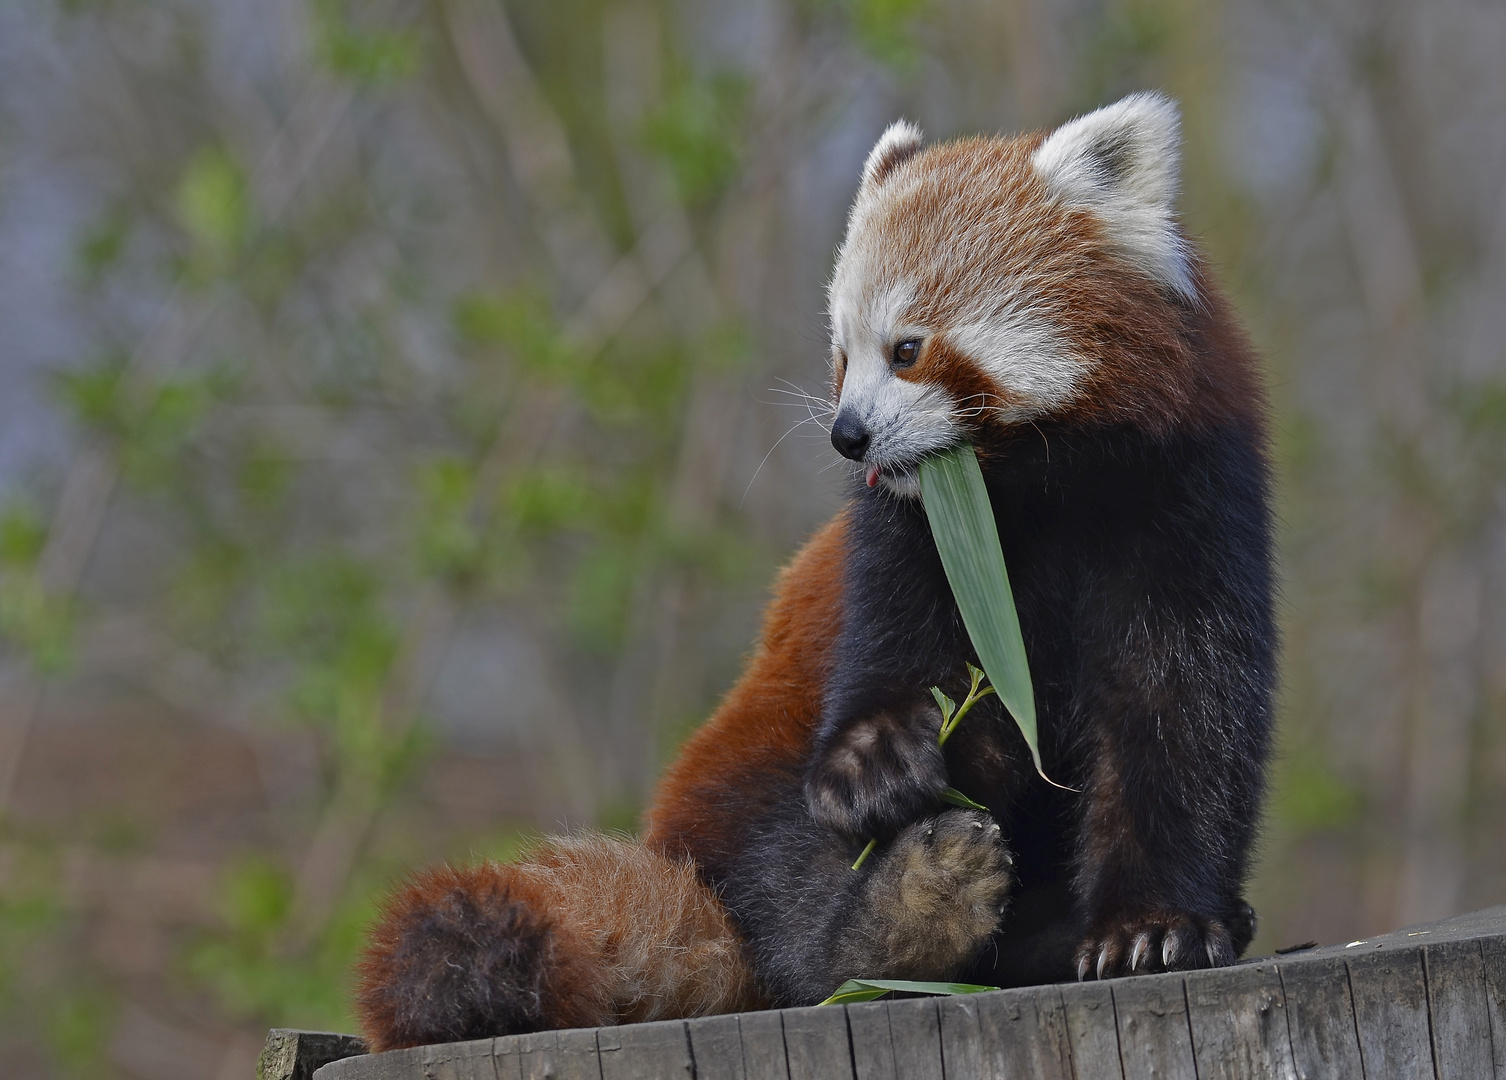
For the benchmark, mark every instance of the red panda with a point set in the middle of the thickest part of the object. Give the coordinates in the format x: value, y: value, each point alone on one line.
x: 1036, y: 298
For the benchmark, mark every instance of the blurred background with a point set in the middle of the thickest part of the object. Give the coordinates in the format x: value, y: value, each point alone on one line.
x: 404, y: 406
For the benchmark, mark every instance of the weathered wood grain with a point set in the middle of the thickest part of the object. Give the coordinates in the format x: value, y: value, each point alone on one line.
x: 1458, y: 1010
x: 815, y: 1043
x: 1238, y: 1021
x: 872, y: 1041
x: 1426, y: 1002
x: 1493, y: 954
x: 294, y: 1055
x: 393, y: 1065
x: 1023, y: 1033
x: 1092, y: 1032
x: 1391, y: 1012
x: 1320, y: 1019
x: 961, y: 1042
x: 559, y: 1055
x: 716, y: 1045
x: 764, y: 1055
x: 915, y: 1027
x: 657, y: 1051
x: 462, y: 1061
x: 896, y: 1040
x: 509, y: 1059
x: 1154, y: 1039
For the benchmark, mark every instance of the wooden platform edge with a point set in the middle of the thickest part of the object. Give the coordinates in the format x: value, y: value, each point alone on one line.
x: 1422, y: 1001
x: 295, y: 1055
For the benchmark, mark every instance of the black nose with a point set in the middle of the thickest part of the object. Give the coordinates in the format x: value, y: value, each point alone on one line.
x: 849, y: 436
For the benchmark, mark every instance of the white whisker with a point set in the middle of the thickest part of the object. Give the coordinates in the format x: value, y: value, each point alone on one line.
x: 793, y: 427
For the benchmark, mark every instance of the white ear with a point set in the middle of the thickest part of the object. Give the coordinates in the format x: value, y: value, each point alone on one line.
x: 899, y: 141
x: 1121, y: 162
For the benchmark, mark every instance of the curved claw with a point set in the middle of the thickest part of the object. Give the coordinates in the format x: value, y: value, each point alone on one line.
x: 1082, y: 969
x: 1103, y: 960
x: 1141, y: 951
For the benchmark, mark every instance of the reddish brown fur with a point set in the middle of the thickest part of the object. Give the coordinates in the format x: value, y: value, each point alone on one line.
x: 551, y: 969
x: 1145, y: 368
x: 597, y: 931
x: 610, y: 931
x: 766, y: 722
x: 584, y: 932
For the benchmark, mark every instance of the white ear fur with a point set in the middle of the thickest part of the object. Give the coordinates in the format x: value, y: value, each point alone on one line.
x: 899, y: 141
x: 1121, y: 162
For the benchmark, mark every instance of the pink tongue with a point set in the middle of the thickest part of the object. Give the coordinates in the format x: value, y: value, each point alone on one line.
x: 873, y: 475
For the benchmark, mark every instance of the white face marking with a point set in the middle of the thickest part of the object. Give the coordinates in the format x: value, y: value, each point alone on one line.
x: 905, y: 420
x: 1121, y: 161
x: 1025, y: 356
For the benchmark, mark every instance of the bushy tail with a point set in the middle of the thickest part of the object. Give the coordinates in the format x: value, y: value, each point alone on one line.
x: 585, y: 931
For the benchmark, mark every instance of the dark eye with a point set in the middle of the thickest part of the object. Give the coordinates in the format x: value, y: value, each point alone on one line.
x: 842, y: 362
x: 906, y: 353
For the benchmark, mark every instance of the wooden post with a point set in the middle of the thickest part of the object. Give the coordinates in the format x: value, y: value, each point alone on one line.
x: 1426, y: 1002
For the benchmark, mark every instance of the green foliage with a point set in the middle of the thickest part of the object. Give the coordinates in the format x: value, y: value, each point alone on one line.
x: 102, y: 244
x: 77, y: 1026
x: 247, y: 965
x: 856, y: 990
x: 23, y: 534
x: 93, y: 393
x: 551, y: 499
x: 1130, y: 39
x: 696, y: 130
x: 601, y: 596
x: 151, y: 427
x: 450, y: 545
x: 264, y: 477
x: 30, y: 618
x: 29, y: 910
x: 326, y: 613
x: 951, y: 712
x: 214, y: 208
x: 522, y: 323
x: 364, y: 55
x: 1482, y: 410
x: 962, y: 523
x: 887, y: 29
x: 255, y: 896
x: 953, y: 797
x: 206, y: 586
x: 39, y: 623
x: 1309, y: 797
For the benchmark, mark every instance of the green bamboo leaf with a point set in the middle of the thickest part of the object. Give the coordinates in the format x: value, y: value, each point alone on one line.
x: 854, y: 990
x: 944, y: 703
x: 962, y: 522
x: 956, y: 798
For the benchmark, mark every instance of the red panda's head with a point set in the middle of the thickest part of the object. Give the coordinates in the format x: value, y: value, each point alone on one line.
x: 987, y: 283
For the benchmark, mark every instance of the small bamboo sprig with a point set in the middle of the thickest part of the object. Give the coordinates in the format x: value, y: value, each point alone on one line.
x: 951, y: 716
x: 951, y: 713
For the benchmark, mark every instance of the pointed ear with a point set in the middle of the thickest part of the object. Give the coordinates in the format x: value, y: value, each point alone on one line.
x: 1122, y: 162
x: 900, y: 141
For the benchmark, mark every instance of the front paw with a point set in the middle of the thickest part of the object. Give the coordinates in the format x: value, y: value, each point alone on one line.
x: 931, y: 899
x: 1159, y: 941
x: 878, y: 773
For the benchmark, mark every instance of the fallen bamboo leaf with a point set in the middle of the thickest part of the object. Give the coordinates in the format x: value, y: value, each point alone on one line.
x: 868, y: 989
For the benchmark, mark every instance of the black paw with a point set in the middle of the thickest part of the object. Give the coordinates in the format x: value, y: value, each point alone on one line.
x: 1240, y: 921
x: 933, y: 897
x: 878, y: 773
x: 1158, y: 941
